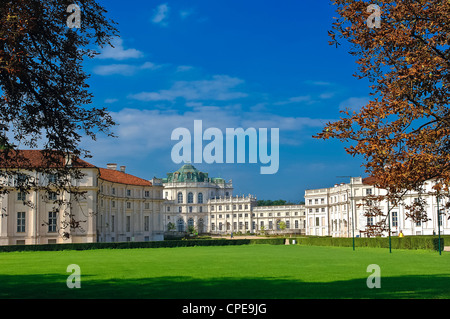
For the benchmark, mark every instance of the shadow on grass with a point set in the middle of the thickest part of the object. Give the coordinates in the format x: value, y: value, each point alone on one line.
x: 185, y: 287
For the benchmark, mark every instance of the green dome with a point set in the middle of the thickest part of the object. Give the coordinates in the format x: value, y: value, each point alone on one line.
x: 187, y: 173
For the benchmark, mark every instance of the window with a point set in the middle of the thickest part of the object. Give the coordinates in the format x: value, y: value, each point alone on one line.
x: 200, y: 209
x: 128, y: 205
x: 200, y: 198
x: 316, y: 201
x: 168, y: 208
x: 146, y: 205
x: 317, y: 221
x: 240, y: 225
x: 21, y: 222
x: 394, y: 219
x: 52, y: 178
x: 270, y: 224
x: 146, y: 223
x: 113, y: 203
x: 179, y: 209
x: 368, y: 191
x: 190, y: 198
x: 322, y: 201
x: 52, y: 196
x: 288, y: 224
x: 128, y: 192
x: 147, y: 194
x: 51, y: 222
x: 21, y: 196
x: 112, y: 223
x: 190, y: 209
x: 180, y: 197
x: 113, y: 191
x: 310, y: 201
x: 296, y: 224
x: 128, y: 224
x: 369, y: 221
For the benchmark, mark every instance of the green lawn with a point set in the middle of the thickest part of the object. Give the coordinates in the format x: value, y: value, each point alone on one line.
x: 235, y: 272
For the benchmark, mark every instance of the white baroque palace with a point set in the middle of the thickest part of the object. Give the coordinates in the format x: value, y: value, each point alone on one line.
x: 195, y: 201
x: 339, y: 211
x: 117, y: 206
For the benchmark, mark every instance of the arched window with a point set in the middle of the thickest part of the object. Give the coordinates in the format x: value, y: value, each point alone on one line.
x: 200, y: 198
x: 190, y: 198
x: 180, y: 225
x: 180, y: 197
x: 190, y: 222
x: 200, y: 225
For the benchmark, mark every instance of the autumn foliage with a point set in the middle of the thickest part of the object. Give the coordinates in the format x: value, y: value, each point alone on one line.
x: 403, y: 133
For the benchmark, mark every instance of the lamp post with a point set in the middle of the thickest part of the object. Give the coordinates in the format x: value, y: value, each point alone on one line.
x: 351, y: 204
x: 389, y: 223
x: 438, y: 224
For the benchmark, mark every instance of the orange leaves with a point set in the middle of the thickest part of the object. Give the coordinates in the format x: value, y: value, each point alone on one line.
x: 404, y: 135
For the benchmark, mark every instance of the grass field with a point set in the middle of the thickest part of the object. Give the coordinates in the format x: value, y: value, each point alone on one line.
x: 233, y: 272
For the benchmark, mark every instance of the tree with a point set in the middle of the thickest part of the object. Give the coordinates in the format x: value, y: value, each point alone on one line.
x: 45, y: 102
x: 403, y: 132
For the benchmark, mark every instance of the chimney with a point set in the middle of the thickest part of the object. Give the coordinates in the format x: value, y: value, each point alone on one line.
x: 122, y: 169
x: 112, y: 166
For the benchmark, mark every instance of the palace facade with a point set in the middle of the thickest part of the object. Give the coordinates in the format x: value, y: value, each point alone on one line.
x: 196, y: 202
x: 117, y: 206
x: 339, y: 211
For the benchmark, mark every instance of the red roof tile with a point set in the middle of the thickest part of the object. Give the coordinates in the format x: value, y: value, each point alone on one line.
x: 37, y: 159
x: 114, y: 176
x: 369, y: 180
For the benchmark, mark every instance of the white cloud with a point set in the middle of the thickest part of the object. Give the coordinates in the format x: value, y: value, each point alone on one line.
x: 141, y: 132
x: 219, y: 88
x: 354, y: 103
x: 295, y: 99
x: 110, y: 101
x: 124, y: 69
x: 118, y: 52
x: 318, y: 83
x: 185, y: 13
x: 161, y: 14
x: 184, y: 68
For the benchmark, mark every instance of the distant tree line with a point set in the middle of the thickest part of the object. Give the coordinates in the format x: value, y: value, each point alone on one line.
x: 278, y: 202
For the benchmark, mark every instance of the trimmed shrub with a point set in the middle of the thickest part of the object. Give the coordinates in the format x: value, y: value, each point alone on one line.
x: 148, y: 244
x: 407, y: 242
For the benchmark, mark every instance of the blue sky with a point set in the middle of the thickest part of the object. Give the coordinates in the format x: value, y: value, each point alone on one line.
x: 235, y: 64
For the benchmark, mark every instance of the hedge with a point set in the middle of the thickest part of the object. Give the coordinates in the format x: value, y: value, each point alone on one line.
x: 148, y: 244
x: 407, y: 242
